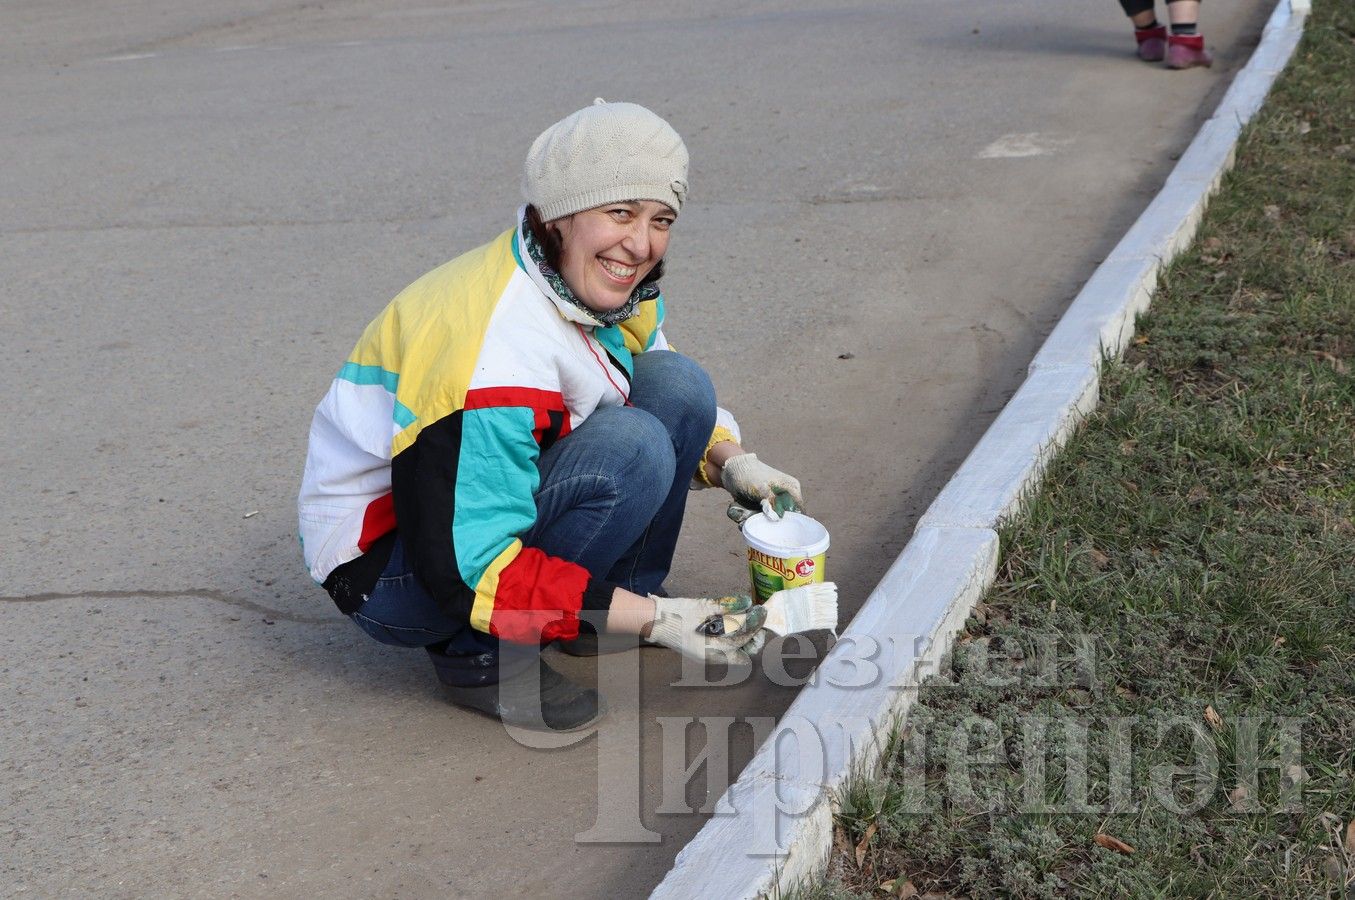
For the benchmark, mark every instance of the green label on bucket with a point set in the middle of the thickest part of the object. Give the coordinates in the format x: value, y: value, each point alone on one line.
x: 775, y: 573
x: 764, y: 583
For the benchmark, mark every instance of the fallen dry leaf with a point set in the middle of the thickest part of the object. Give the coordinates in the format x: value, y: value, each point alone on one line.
x: 1197, y: 495
x: 861, y: 846
x: 1331, y: 359
x: 1271, y: 211
x: 1112, y: 843
x: 1099, y: 560
x: 899, y: 887
x: 1212, y: 251
x: 1141, y: 340
x: 1237, y: 797
x: 1295, y: 775
x: 1350, y: 838
x: 1213, y: 718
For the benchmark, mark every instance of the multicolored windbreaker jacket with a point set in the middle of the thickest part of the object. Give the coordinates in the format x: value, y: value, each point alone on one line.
x: 437, y: 420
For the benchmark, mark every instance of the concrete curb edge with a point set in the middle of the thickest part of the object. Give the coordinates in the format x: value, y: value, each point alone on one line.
x: 773, y: 827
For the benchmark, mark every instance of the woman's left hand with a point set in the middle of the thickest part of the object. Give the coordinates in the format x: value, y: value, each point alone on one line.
x: 750, y: 481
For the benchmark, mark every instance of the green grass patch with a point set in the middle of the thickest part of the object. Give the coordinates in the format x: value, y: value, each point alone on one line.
x: 1168, y: 657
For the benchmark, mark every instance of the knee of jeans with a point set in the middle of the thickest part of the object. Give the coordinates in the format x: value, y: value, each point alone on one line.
x: 645, y: 441
x: 687, y: 385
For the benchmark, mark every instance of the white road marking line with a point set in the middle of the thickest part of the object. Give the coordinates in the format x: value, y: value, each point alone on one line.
x: 128, y: 57
x: 233, y: 48
x: 1030, y: 143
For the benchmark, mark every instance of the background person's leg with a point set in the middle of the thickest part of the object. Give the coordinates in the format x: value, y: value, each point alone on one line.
x: 1148, y: 32
x: 1183, y: 14
x: 1185, y: 47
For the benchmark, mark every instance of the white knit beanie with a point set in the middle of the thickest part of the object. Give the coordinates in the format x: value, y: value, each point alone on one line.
x: 605, y: 153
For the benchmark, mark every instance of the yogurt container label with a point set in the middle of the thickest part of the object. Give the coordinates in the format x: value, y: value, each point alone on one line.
x: 784, y: 554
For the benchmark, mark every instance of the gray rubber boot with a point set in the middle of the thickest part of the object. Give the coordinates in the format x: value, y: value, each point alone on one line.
x: 537, y: 698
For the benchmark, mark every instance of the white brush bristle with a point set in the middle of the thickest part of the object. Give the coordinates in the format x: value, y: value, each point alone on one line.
x: 809, y: 607
x: 824, y: 599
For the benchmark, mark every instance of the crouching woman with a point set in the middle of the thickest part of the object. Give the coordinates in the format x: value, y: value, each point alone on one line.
x: 505, y: 456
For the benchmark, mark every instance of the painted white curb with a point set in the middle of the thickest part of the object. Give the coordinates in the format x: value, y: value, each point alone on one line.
x: 775, y: 823
x: 773, y: 827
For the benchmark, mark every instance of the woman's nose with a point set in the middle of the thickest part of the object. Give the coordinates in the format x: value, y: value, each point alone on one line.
x: 636, y: 240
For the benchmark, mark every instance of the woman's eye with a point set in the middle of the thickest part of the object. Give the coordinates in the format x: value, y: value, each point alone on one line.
x: 620, y: 214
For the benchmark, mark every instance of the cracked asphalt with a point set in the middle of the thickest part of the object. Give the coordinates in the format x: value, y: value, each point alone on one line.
x: 202, y: 205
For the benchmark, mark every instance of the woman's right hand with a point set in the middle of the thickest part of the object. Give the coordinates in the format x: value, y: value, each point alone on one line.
x: 727, y: 630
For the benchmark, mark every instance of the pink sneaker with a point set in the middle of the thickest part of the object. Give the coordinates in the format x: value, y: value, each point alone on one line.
x: 1186, y: 51
x: 1152, y: 43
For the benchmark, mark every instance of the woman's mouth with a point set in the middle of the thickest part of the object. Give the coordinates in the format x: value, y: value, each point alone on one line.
x: 619, y: 272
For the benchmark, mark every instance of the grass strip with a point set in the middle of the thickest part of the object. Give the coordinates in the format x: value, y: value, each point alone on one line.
x: 1157, y: 699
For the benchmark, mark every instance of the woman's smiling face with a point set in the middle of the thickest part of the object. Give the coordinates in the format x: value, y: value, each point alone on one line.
x: 608, y: 250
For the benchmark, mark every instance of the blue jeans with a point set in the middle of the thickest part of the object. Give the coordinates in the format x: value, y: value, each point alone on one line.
x: 611, y: 498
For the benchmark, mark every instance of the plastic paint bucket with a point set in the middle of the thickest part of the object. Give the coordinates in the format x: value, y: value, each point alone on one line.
x: 784, y: 554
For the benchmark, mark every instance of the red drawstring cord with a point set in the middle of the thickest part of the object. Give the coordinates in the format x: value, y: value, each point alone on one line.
x: 625, y: 398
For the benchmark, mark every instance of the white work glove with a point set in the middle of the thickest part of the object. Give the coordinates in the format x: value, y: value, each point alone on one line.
x: 755, y: 485
x: 728, y: 630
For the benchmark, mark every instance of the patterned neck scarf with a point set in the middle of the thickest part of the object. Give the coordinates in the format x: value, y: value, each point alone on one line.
x: 557, y: 282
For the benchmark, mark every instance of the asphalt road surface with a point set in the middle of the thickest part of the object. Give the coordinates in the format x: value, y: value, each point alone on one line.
x: 202, y: 204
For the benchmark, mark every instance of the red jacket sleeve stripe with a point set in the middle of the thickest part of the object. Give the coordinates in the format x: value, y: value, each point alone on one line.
x: 549, y: 593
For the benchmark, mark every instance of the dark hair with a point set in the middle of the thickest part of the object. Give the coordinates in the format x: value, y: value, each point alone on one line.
x: 548, y: 239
